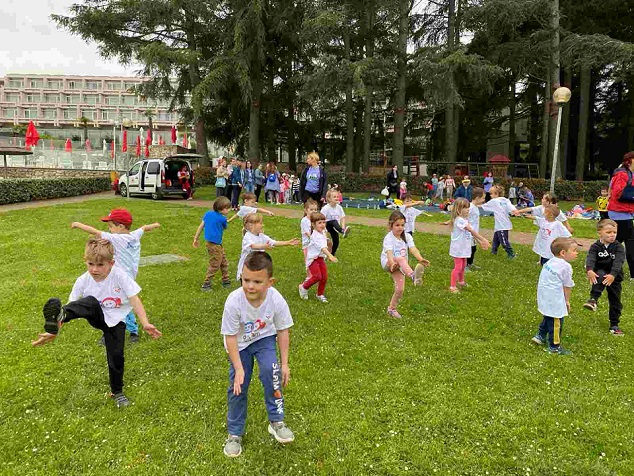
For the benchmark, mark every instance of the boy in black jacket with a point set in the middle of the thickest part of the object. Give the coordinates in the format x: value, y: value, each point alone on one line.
x: 604, y: 267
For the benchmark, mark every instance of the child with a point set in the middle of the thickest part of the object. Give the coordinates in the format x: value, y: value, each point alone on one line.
x: 549, y: 230
x: 462, y: 236
x: 255, y: 240
x: 255, y: 317
x: 500, y: 206
x: 295, y: 189
x: 249, y: 207
x: 602, y: 203
x: 402, y: 190
x: 513, y: 193
x: 104, y: 296
x: 440, y: 188
x: 183, y: 178
x: 553, y: 294
x: 547, y: 199
x: 317, y: 251
x: 450, y: 184
x: 478, y: 196
x: 394, y: 259
x: 335, y: 219
x: 410, y: 213
x: 215, y: 223
x: 604, y: 266
x: 310, y: 207
x: 127, y: 251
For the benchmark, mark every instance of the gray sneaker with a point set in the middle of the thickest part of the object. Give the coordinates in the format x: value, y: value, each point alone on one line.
x: 233, y: 446
x: 120, y: 400
x: 417, y: 276
x: 281, y: 432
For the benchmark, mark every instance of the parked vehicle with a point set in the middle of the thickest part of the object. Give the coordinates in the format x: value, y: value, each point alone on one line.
x: 158, y: 177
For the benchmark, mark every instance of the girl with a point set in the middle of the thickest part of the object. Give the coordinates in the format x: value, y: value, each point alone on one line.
x: 317, y: 251
x: 440, y: 188
x: 335, y: 218
x: 403, y: 190
x: 450, y: 184
x: 183, y: 177
x: 272, y: 187
x: 310, y: 207
x: 255, y: 240
x: 249, y: 178
x: 460, y: 247
x: 396, y: 245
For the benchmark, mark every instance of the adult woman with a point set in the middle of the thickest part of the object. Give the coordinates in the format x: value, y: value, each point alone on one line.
x: 259, y: 181
x: 229, y: 188
x: 249, y: 177
x: 621, y: 207
x: 237, y: 183
x: 313, y: 183
x: 487, y: 184
x: 221, y: 177
x: 272, y: 187
x: 392, y: 181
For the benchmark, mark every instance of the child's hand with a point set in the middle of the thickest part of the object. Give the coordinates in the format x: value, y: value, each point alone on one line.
x: 286, y: 375
x: 196, y: 243
x: 485, y: 244
x: 448, y: 222
x: 294, y: 242
x: 153, y: 331
x: 43, y: 338
x: 592, y: 277
x: 608, y: 279
x: 392, y: 266
x: 424, y: 262
x: 238, y: 380
x: 271, y: 214
x: 333, y: 258
x: 515, y: 213
x: 74, y: 224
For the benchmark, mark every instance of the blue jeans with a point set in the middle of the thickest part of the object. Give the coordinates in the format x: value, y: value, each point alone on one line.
x: 249, y: 187
x: 264, y: 351
x: 553, y: 328
x: 130, y: 323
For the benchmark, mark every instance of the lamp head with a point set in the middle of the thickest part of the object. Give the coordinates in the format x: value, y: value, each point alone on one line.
x: 562, y: 95
x: 126, y: 122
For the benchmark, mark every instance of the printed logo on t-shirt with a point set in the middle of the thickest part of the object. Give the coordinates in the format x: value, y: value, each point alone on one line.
x: 605, y: 254
x: 111, y: 302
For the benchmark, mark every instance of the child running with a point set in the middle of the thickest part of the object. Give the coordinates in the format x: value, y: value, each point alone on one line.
x: 547, y: 199
x: 549, y: 230
x: 104, y: 296
x: 604, y: 268
x: 553, y: 294
x: 127, y: 251
x: 501, y: 207
x: 249, y: 207
x: 310, y: 207
x: 335, y: 219
x: 215, y: 223
x: 410, y: 213
x: 317, y: 251
x: 256, y: 317
x: 255, y: 240
x: 394, y: 259
x: 478, y: 197
x: 462, y: 236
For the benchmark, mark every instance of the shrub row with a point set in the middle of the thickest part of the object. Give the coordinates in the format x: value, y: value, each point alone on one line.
x: 26, y: 190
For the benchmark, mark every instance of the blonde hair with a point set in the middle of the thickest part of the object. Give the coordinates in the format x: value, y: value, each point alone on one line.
x: 312, y: 155
x: 458, y: 207
x: 251, y: 219
x: 552, y: 209
x: 98, y: 250
x: 605, y: 223
x: 551, y: 197
x: 333, y: 192
x: 499, y: 190
x: 310, y: 203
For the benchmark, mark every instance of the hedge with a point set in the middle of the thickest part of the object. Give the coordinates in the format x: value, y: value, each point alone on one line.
x: 26, y: 190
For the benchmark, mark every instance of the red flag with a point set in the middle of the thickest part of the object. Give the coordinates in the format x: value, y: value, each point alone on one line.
x: 185, y: 140
x: 161, y: 140
x: 88, y: 146
x: 69, y: 146
x: 173, y: 134
x: 32, y: 137
x: 138, y: 146
x: 148, y: 139
x: 124, y: 142
x: 147, y: 150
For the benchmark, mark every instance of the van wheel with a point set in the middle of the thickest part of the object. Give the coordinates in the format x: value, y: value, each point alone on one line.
x: 123, y: 190
x: 156, y: 196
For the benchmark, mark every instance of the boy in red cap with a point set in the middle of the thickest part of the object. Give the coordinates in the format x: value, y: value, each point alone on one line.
x: 127, y: 250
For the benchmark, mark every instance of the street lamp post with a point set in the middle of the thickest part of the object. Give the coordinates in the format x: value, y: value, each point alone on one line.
x: 115, y: 124
x: 561, y: 96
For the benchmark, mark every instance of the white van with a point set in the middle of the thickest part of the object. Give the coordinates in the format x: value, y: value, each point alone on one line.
x: 158, y: 177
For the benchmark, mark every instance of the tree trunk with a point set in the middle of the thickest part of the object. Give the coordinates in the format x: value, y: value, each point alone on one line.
x: 254, y: 121
x: 349, y: 105
x: 450, y: 138
x: 270, y: 121
x: 630, y: 129
x: 565, y: 129
x: 584, y: 115
x: 533, y: 138
x: 358, y: 143
x: 369, y: 90
x: 199, y: 124
x: 543, y: 156
x: 405, y: 7
x: 554, y: 78
x: 512, y: 122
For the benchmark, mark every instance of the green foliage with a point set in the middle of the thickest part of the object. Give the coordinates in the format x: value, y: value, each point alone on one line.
x: 25, y: 190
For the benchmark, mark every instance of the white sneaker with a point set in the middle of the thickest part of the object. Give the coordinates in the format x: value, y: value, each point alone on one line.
x: 322, y: 298
x: 303, y: 293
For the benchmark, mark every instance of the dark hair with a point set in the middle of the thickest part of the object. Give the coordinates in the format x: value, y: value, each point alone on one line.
x: 394, y: 217
x: 221, y: 203
x: 560, y: 244
x: 477, y: 192
x: 248, y: 196
x: 627, y: 159
x: 259, y: 261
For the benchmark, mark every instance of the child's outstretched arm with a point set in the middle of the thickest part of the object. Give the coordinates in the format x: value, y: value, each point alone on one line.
x: 195, y: 244
x: 234, y: 357
x: 262, y: 246
x: 86, y: 228
x: 151, y: 226
x: 268, y: 212
x: 484, y: 243
x: 418, y: 256
x: 329, y: 255
x: 292, y: 242
x: 139, y: 310
x: 229, y: 220
x: 283, y: 341
x: 568, y: 227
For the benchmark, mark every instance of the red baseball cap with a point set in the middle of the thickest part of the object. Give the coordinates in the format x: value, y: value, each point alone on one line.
x: 120, y: 215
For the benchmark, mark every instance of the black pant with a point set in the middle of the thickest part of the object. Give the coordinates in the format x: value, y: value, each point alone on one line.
x: 228, y: 191
x: 553, y: 328
x: 470, y: 259
x: 89, y: 308
x: 614, y: 296
x: 604, y: 215
x: 296, y: 196
x: 625, y: 235
x: 314, y: 195
x: 501, y: 237
x: 220, y: 191
x: 334, y: 228
x: 235, y: 196
x: 258, y: 189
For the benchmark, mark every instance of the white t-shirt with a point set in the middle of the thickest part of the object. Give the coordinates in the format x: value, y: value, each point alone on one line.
x: 127, y: 250
x: 317, y: 242
x: 397, y: 246
x: 113, y: 293
x: 474, y: 217
x: 333, y: 213
x: 247, y: 240
x: 555, y: 275
x: 245, y: 210
x: 250, y: 323
x: 305, y: 228
x: 538, y: 212
x: 461, y: 239
x: 548, y: 232
x: 410, y: 217
x: 501, y: 207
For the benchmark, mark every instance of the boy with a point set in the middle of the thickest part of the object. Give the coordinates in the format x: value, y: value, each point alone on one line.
x: 104, y: 296
x: 215, y: 223
x: 549, y: 229
x: 477, y: 199
x: 127, y: 251
x: 501, y: 206
x: 248, y: 207
x: 604, y: 267
x: 553, y: 294
x: 602, y: 204
x: 410, y: 213
x: 254, y: 317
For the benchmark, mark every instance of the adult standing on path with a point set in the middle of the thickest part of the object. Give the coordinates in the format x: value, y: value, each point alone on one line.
x: 222, y: 175
x: 621, y: 207
x: 237, y: 183
x: 487, y: 183
x: 272, y: 187
x: 392, y: 181
x: 259, y: 181
x: 314, y: 182
x: 229, y: 188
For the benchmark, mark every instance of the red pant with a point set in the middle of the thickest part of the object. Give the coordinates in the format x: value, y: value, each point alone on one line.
x: 318, y: 274
x: 186, y: 187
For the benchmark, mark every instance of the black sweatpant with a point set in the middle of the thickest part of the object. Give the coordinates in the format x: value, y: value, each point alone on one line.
x: 614, y: 296
x: 89, y: 308
x: 470, y: 259
x: 334, y: 228
x: 625, y: 235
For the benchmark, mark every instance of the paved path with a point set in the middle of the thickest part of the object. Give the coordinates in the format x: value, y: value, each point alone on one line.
x: 55, y: 201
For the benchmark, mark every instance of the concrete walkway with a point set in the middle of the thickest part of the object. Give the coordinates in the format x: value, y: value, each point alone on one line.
x: 55, y: 201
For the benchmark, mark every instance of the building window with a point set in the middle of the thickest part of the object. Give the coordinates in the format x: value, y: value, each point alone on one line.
x: 49, y: 113
x: 30, y: 113
x: 51, y: 98
x: 112, y: 86
x: 89, y: 114
x: 111, y: 100
x: 91, y: 99
x: 128, y: 100
x: 71, y: 85
x: 53, y: 84
x: 70, y: 114
x: 71, y: 99
x: 10, y: 113
x: 14, y: 97
x: 129, y: 85
x: 107, y: 115
x: 31, y: 98
x: 93, y: 84
x: 15, y: 83
x: 36, y: 83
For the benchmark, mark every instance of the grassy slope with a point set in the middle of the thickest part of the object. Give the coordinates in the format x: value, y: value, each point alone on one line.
x: 456, y: 387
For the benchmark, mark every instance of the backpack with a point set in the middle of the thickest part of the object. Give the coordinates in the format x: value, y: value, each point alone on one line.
x: 271, y: 178
x: 627, y: 196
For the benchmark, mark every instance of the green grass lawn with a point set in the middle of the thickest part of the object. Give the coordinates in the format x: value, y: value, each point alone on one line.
x: 456, y: 387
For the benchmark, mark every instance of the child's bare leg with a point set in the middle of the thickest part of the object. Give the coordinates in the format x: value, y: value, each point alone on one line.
x: 399, y: 285
x: 403, y: 266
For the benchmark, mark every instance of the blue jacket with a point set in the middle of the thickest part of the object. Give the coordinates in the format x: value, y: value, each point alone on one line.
x: 463, y: 192
x: 237, y: 176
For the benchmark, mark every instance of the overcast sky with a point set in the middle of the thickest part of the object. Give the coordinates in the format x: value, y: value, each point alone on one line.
x: 31, y: 43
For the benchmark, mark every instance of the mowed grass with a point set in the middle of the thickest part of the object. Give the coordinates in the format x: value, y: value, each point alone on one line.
x: 455, y: 387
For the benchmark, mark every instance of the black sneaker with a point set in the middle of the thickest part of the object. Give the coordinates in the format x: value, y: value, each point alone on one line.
x: 615, y: 331
x: 591, y: 304
x: 53, y: 315
x: 205, y: 287
x: 226, y: 284
x: 120, y: 400
x: 134, y: 338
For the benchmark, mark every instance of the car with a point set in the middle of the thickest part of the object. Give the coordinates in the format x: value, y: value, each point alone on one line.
x: 158, y: 177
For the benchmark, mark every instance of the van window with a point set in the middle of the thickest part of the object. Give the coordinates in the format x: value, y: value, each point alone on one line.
x: 135, y: 169
x: 153, y: 168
